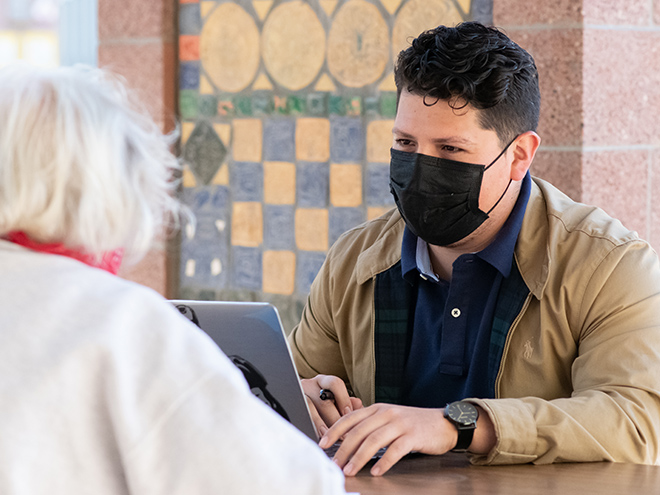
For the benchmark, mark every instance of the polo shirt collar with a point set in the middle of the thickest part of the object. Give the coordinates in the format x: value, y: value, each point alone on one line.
x: 499, y: 253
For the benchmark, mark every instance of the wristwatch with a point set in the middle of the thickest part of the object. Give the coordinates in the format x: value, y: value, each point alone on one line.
x: 464, y: 417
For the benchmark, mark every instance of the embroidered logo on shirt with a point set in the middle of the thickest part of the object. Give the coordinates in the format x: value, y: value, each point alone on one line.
x: 529, y: 350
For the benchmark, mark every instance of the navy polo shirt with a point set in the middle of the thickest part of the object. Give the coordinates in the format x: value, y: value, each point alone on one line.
x: 448, y: 358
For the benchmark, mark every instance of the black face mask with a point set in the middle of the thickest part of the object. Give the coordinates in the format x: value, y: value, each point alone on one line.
x: 438, y: 198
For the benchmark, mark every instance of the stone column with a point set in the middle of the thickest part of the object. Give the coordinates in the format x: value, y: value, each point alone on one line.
x: 621, y: 109
x: 137, y: 39
x: 599, y: 65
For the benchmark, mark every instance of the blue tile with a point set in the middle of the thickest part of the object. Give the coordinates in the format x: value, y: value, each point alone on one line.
x: 346, y: 139
x: 279, y: 140
x: 279, y: 227
x: 246, y: 268
x: 308, y: 265
x: 190, y: 19
x: 342, y: 219
x: 210, y: 205
x: 312, y: 184
x: 377, y: 187
x: 247, y: 181
x: 189, y: 75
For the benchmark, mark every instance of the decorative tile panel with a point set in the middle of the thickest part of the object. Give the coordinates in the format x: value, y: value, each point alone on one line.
x: 287, y: 109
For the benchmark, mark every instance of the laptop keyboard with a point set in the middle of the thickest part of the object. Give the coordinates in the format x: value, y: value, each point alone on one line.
x: 332, y: 450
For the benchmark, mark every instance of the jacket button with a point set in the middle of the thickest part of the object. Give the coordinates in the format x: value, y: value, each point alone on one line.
x: 456, y: 312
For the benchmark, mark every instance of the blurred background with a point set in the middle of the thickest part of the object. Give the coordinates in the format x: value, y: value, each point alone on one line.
x: 285, y: 108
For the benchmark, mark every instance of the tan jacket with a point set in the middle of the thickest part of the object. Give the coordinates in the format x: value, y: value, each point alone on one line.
x: 579, y: 378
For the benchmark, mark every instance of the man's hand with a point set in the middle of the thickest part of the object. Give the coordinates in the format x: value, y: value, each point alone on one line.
x: 325, y: 413
x: 402, y: 430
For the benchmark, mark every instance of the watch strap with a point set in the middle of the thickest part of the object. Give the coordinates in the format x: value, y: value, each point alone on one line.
x: 464, y: 439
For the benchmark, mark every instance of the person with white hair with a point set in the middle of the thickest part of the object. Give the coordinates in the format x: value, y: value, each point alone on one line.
x: 105, y: 388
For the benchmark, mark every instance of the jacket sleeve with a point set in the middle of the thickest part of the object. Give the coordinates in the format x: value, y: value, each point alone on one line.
x: 314, y: 342
x: 613, y: 412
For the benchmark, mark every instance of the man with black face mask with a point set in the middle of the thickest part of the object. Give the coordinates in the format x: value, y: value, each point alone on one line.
x: 488, y: 312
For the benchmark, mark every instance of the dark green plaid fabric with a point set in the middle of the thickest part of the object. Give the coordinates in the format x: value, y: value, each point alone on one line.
x: 510, y: 301
x: 394, y: 302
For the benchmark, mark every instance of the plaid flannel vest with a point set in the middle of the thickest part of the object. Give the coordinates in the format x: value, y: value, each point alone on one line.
x: 394, y: 306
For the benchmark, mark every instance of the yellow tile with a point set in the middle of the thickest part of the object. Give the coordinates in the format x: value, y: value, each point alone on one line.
x: 190, y: 268
x: 465, y: 5
x: 391, y: 5
x: 262, y: 7
x: 313, y: 140
x: 312, y: 229
x: 345, y: 184
x: 224, y: 133
x: 379, y: 141
x: 205, y: 86
x: 247, y: 224
x: 388, y: 83
x: 247, y: 140
x: 279, y: 272
x: 262, y: 82
x: 206, y: 7
x: 279, y: 183
x: 186, y: 131
x: 325, y: 84
x: 376, y: 211
x: 221, y: 178
x: 188, y: 179
x: 329, y: 6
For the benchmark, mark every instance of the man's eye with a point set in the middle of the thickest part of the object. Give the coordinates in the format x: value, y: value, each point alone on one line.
x: 451, y: 149
x: 404, y: 142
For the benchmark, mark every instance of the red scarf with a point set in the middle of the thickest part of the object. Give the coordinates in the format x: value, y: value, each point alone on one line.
x: 110, y: 261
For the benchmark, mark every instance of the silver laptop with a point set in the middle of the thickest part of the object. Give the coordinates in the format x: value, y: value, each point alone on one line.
x: 251, y: 334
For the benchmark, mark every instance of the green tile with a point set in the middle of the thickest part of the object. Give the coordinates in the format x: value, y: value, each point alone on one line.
x: 354, y: 106
x: 388, y: 104
x: 262, y: 104
x: 371, y: 105
x: 336, y: 105
x: 296, y: 105
x: 317, y: 104
x: 208, y: 105
x: 226, y: 108
x: 188, y: 103
x: 280, y: 105
x: 243, y: 106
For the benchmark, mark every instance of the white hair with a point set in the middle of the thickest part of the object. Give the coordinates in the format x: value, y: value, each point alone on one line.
x: 80, y: 163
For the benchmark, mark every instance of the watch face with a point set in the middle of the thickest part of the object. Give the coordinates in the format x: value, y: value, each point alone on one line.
x: 463, y: 413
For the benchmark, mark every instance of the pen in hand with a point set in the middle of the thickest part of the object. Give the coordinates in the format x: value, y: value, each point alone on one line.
x: 326, y: 394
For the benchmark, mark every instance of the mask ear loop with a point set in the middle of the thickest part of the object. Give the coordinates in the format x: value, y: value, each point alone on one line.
x: 510, y: 180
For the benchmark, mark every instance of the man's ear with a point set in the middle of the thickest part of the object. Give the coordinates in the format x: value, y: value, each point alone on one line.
x: 523, y: 150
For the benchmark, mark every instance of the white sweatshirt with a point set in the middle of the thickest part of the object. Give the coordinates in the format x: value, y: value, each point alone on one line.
x: 106, y: 389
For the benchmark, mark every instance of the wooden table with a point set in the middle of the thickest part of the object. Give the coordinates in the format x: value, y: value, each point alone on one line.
x: 452, y: 474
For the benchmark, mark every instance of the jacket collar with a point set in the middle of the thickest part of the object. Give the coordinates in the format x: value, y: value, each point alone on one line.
x: 531, y: 252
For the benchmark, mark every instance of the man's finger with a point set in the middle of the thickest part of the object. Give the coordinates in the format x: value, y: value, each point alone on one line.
x: 394, y: 453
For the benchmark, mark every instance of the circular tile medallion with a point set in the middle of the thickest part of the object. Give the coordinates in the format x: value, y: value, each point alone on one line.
x: 358, y: 44
x: 229, y: 47
x: 417, y: 16
x: 293, y: 45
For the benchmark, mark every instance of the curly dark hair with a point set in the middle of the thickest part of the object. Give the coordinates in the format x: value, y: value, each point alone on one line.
x: 477, y: 65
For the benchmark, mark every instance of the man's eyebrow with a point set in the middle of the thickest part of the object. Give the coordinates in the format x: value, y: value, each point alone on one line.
x: 440, y: 140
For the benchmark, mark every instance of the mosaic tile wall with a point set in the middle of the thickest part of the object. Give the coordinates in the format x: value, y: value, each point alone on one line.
x: 287, y: 109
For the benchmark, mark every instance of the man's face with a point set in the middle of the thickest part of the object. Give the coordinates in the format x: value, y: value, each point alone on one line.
x: 439, y: 130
